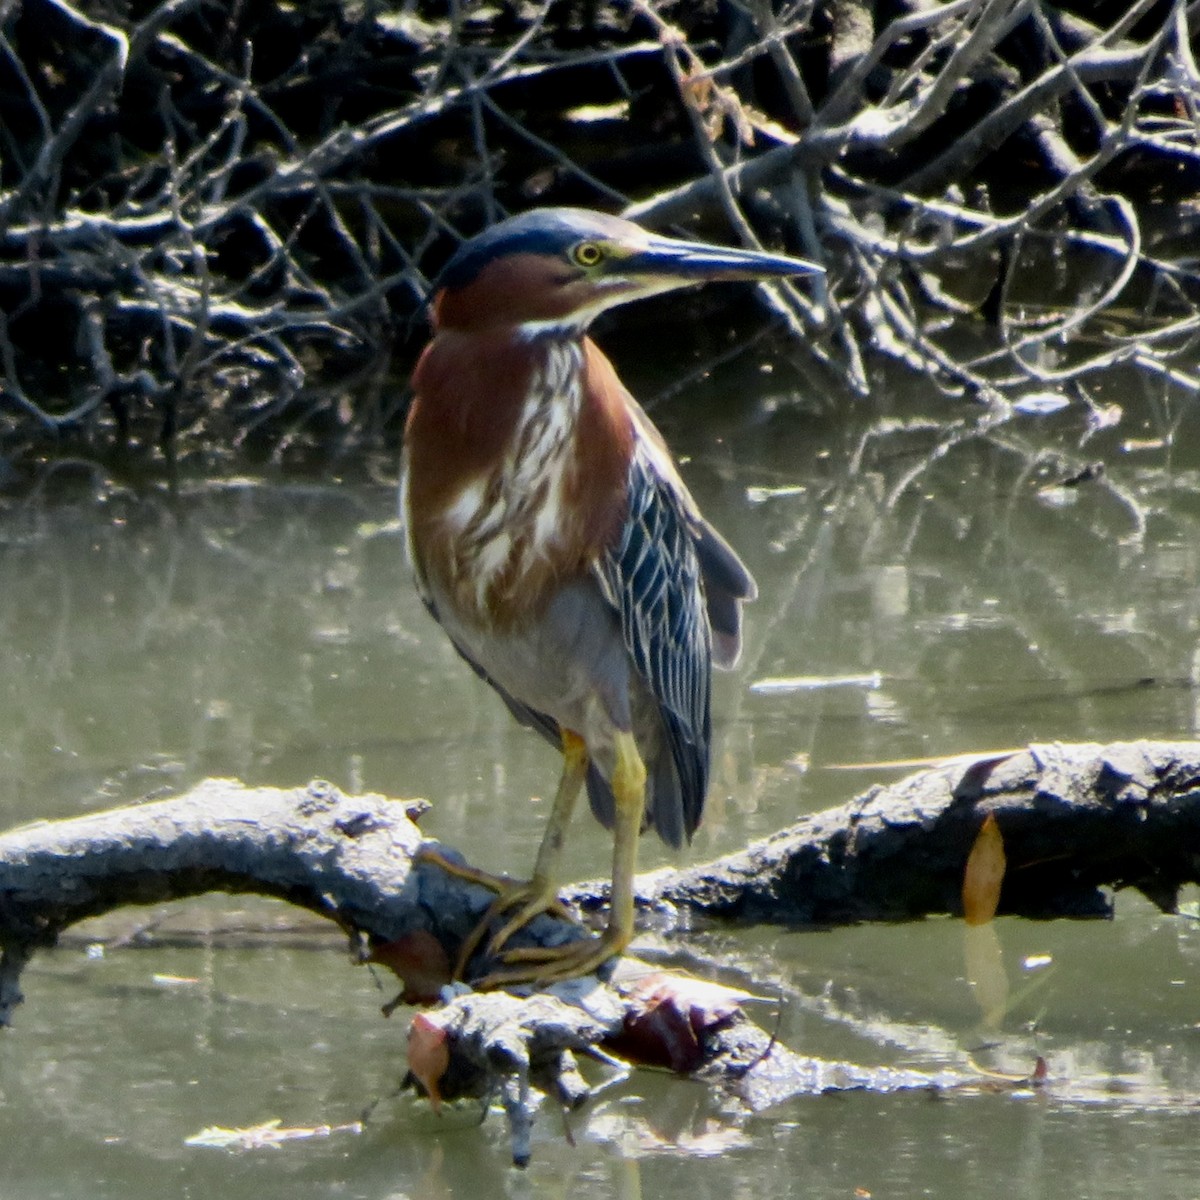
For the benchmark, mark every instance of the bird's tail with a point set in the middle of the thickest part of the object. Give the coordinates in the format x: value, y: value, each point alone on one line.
x: 727, y: 584
x: 668, y: 810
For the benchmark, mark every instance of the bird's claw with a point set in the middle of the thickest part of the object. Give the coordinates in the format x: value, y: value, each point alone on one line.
x: 538, y: 965
x: 531, y: 898
x: 534, y: 899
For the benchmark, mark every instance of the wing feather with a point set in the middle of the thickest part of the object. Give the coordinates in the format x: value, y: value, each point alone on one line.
x: 652, y: 578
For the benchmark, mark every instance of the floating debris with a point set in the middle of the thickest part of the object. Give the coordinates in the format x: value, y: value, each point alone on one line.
x: 760, y: 495
x: 1041, y: 404
x: 270, y: 1133
x: 774, y: 684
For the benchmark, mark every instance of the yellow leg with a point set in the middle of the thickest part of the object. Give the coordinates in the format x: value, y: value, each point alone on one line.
x: 540, y: 893
x: 548, y: 964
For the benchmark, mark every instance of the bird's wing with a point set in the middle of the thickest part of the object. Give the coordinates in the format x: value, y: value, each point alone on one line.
x: 727, y: 582
x: 652, y: 578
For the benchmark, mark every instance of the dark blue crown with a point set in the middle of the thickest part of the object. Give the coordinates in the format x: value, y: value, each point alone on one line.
x: 539, y: 231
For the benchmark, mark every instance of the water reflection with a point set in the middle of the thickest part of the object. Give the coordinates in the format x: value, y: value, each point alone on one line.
x: 927, y: 579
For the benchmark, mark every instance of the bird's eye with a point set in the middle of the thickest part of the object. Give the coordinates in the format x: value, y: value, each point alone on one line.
x: 587, y: 254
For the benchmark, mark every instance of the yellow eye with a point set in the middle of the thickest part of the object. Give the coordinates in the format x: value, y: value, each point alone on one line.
x: 587, y: 254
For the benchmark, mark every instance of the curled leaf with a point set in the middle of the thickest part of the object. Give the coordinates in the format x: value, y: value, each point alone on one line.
x: 669, y: 1017
x: 984, y: 874
x: 428, y: 1056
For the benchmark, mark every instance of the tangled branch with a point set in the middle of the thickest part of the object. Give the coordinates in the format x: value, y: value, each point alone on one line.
x: 216, y: 223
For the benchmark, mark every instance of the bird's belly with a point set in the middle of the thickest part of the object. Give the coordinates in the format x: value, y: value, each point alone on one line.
x: 568, y: 660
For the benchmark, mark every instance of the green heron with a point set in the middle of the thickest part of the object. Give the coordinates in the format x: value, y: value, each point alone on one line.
x: 553, y: 539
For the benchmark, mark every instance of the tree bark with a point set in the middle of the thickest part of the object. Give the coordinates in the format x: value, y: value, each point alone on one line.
x: 1075, y: 819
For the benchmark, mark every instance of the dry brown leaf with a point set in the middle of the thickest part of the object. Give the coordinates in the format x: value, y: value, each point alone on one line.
x: 428, y: 1056
x: 984, y: 874
x: 420, y: 960
x: 670, y: 1015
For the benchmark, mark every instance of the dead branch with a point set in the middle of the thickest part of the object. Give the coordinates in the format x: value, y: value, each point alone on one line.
x: 1078, y: 822
x: 1075, y: 819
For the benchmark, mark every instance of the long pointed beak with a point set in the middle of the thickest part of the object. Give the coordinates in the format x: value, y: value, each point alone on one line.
x: 698, y: 262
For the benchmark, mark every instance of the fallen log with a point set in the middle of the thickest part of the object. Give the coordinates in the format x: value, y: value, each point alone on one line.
x: 1075, y: 820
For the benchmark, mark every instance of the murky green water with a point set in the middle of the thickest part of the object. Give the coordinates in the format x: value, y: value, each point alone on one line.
x: 944, y: 591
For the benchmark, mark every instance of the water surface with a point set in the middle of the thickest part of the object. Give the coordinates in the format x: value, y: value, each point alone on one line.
x: 928, y: 587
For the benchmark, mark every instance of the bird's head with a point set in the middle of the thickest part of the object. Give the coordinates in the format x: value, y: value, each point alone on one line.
x: 559, y: 268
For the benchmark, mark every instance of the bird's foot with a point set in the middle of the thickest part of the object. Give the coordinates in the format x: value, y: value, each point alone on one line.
x: 539, y: 965
x: 530, y: 898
